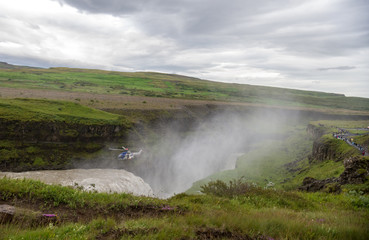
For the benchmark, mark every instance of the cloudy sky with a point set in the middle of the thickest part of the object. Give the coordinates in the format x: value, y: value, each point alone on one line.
x: 318, y: 45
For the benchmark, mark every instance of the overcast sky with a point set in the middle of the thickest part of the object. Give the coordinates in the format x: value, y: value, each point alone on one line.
x: 318, y: 45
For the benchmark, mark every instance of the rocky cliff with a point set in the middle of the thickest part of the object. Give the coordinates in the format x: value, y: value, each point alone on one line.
x: 314, y: 131
x: 356, y: 172
x: 327, y: 148
x: 58, y: 131
x: 37, y: 145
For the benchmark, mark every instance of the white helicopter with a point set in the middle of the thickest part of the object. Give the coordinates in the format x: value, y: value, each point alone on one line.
x: 126, y: 154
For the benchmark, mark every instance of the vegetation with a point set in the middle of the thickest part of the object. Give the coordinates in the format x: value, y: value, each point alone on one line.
x: 332, y: 125
x: 234, y: 188
x: 256, y: 200
x: 254, y: 213
x: 55, y: 195
x: 273, y: 159
x: 362, y: 140
x: 169, y: 85
x: 286, y: 162
x: 37, y: 110
x: 340, y: 148
x: 25, y: 156
x: 48, y: 134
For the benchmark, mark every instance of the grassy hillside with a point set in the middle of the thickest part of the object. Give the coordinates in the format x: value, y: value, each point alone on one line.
x: 51, y: 111
x: 253, y: 213
x: 47, y: 134
x: 266, y: 162
x: 284, y: 163
x: 170, y: 86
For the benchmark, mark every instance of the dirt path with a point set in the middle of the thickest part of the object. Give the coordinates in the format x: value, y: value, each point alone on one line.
x: 347, y: 136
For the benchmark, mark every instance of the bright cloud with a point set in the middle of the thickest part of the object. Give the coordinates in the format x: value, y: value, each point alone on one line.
x: 318, y: 45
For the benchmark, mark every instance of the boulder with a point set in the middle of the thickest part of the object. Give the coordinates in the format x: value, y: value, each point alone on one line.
x: 356, y: 171
x: 310, y: 184
x: 7, y: 213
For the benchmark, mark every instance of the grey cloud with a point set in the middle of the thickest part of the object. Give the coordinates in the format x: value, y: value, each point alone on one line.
x: 297, y: 27
x: 194, y: 17
x: 115, y: 7
x: 337, y: 68
x: 290, y: 38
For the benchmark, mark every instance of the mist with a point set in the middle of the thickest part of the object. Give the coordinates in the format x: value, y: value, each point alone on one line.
x: 177, y: 159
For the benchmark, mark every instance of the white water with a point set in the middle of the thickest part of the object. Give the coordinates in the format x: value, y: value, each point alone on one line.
x: 101, y: 180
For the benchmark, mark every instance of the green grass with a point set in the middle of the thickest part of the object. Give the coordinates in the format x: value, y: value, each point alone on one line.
x: 320, y: 170
x: 341, y: 149
x: 16, y: 155
x: 67, y: 133
x: 362, y: 140
x: 255, y: 213
x: 266, y: 161
x: 51, y: 110
x: 332, y: 165
x: 170, y: 85
x: 56, y: 195
x: 334, y: 124
x: 285, y: 163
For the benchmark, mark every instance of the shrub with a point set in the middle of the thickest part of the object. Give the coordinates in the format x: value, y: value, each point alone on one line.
x: 38, y: 162
x: 69, y: 133
x: 332, y: 188
x: 221, y: 189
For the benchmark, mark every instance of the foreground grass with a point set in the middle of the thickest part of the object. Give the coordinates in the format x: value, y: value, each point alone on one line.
x: 257, y: 213
x: 55, y: 195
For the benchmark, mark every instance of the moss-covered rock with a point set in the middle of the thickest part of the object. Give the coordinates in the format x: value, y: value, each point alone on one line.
x: 329, y: 148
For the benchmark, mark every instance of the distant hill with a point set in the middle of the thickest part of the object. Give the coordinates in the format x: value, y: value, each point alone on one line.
x: 162, y: 85
x: 5, y: 65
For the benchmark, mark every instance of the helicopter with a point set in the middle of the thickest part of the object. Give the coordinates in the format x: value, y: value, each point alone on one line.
x: 126, y: 154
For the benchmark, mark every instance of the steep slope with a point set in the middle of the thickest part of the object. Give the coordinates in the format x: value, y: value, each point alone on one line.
x: 336, y: 146
x: 45, y: 134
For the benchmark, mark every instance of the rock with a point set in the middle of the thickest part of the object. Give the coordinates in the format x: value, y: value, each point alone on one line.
x: 310, y: 184
x: 26, y: 217
x: 356, y: 171
x: 315, y: 131
x: 7, y: 213
x: 325, y: 149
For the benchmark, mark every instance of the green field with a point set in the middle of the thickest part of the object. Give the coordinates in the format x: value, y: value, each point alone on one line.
x: 170, y: 86
x: 50, y: 111
x: 334, y: 124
